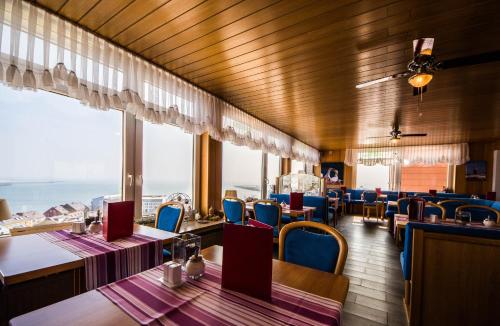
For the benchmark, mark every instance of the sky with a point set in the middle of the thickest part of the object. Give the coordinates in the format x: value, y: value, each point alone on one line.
x: 50, y: 137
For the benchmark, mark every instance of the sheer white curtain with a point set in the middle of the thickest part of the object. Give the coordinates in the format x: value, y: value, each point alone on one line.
x: 41, y: 50
x: 454, y: 154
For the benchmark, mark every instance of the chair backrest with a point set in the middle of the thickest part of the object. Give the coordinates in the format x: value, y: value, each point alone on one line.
x: 479, y: 212
x: 169, y: 216
x: 332, y: 193
x: 403, y: 205
x: 234, y: 210
x: 450, y: 206
x: 369, y: 196
x: 432, y: 208
x: 326, y: 252
x: 422, y: 194
x: 340, y: 195
x: 268, y: 212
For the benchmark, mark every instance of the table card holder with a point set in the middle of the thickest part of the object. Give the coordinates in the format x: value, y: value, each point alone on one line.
x: 247, y: 259
x: 296, y: 200
x: 118, y: 220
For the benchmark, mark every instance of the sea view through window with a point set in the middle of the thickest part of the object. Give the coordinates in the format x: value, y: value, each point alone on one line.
x: 59, y: 156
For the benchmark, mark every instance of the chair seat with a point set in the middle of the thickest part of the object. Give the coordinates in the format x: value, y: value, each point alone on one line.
x: 370, y: 204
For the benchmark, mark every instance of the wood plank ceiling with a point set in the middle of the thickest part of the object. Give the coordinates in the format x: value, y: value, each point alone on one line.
x: 295, y: 64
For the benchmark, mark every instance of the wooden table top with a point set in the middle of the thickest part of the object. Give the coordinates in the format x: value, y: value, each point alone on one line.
x: 310, y: 280
x: 92, y: 308
x: 194, y: 226
x: 27, y: 257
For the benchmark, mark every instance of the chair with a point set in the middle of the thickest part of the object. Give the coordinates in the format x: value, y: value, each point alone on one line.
x: 370, y: 202
x: 480, y: 212
x: 341, y: 197
x: 403, y: 205
x: 450, y: 206
x: 432, y: 208
x: 169, y: 216
x: 325, y: 252
x: 234, y: 210
x: 268, y: 212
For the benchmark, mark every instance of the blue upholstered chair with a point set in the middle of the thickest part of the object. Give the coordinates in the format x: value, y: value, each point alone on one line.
x: 268, y: 212
x: 323, y: 251
x: 403, y: 205
x: 234, y: 210
x: 369, y: 203
x: 169, y: 218
x: 479, y: 212
x: 450, y: 206
x: 436, y: 209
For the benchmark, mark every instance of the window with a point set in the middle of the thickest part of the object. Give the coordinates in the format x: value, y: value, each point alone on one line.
x: 273, y: 171
x: 297, y: 167
x: 424, y: 178
x: 58, y: 156
x: 167, y: 165
x: 241, y: 170
x: 371, y: 177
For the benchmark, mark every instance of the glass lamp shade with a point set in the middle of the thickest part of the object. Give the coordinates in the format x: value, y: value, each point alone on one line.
x: 4, y: 210
x: 420, y: 79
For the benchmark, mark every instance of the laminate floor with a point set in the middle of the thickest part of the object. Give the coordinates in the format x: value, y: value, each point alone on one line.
x: 376, y: 282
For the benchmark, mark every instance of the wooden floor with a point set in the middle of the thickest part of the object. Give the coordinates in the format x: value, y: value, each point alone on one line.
x: 376, y: 288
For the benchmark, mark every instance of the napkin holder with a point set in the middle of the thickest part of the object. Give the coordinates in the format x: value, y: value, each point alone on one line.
x: 118, y: 220
x: 247, y: 259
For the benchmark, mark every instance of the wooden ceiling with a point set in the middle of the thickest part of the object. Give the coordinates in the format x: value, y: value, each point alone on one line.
x: 295, y: 64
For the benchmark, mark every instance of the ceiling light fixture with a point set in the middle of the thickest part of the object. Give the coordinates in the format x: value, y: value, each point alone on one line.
x: 420, y: 79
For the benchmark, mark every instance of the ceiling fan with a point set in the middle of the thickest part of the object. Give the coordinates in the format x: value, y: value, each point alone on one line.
x: 395, y: 135
x: 423, y: 66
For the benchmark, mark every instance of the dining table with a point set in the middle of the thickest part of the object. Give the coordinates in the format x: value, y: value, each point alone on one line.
x: 93, y: 308
x: 43, y: 271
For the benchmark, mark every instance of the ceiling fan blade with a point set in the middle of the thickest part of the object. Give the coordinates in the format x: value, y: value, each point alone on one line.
x: 469, y: 60
x: 418, y: 91
x: 423, y: 46
x: 413, y: 135
x: 380, y: 137
x: 381, y: 80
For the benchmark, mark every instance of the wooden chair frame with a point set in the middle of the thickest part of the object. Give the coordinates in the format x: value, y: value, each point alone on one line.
x: 443, y: 210
x: 243, y: 208
x: 450, y: 201
x: 269, y: 202
x: 488, y: 208
x: 343, y: 248
x: 367, y: 208
x: 181, y: 214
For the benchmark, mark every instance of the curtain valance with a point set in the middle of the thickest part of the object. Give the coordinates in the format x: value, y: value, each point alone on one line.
x: 41, y: 50
x: 454, y: 154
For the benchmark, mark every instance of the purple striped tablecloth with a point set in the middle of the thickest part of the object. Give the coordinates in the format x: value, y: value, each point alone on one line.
x: 203, y: 302
x: 107, y: 262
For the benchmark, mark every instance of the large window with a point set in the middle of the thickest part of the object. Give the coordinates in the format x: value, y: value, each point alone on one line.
x: 424, y: 178
x: 371, y: 177
x: 241, y: 170
x: 58, y: 156
x: 167, y: 165
x: 297, y: 167
x: 273, y: 171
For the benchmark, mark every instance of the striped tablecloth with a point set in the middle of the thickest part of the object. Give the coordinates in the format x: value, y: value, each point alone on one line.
x: 203, y: 302
x: 107, y: 262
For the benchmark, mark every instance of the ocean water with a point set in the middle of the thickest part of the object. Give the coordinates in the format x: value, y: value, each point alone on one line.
x: 39, y: 196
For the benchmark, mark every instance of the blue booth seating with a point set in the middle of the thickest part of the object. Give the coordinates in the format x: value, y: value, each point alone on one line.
x: 406, y: 254
x: 321, y: 204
